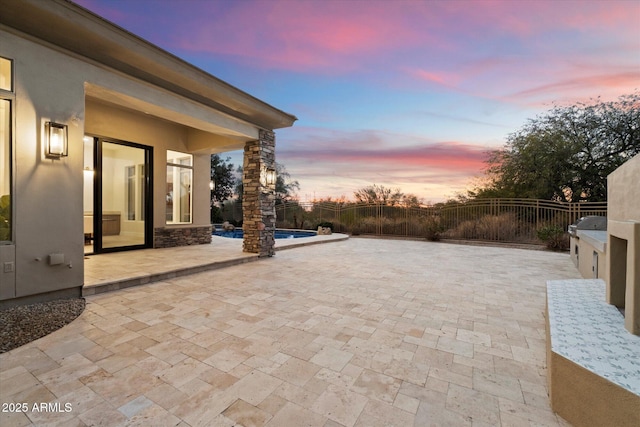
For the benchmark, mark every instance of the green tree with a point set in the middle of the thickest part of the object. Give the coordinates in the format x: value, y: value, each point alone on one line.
x: 411, y: 201
x: 378, y: 194
x: 381, y: 195
x: 566, y: 153
x: 223, y: 180
x: 285, y: 188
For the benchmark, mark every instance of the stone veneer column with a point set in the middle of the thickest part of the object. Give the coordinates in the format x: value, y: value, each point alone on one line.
x: 258, y: 200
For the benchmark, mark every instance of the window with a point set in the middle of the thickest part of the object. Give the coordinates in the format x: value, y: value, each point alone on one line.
x: 6, y: 97
x: 179, y: 182
x: 6, y: 74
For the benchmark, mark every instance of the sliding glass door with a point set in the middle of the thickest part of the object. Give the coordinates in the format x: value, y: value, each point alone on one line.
x: 122, y: 199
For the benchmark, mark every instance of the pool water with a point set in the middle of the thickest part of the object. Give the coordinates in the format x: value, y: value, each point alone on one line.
x: 280, y: 234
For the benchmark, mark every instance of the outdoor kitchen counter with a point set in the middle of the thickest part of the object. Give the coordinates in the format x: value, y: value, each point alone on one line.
x: 596, y: 238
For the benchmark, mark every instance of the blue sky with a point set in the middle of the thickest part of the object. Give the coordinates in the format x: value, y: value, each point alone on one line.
x: 405, y: 94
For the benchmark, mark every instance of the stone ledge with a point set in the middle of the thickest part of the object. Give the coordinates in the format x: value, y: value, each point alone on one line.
x: 593, y: 369
x: 157, y: 277
x: 595, y: 238
x: 165, y: 237
x: 282, y: 244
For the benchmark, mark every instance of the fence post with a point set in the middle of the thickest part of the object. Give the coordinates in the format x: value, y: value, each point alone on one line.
x: 579, y: 213
x: 406, y: 220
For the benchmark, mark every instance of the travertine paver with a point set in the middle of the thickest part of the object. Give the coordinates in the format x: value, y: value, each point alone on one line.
x: 363, y: 332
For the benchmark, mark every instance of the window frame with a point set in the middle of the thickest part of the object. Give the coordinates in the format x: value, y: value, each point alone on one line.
x: 177, y: 169
x: 9, y: 161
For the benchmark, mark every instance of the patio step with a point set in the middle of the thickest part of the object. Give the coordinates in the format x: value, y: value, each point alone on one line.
x: 157, y: 277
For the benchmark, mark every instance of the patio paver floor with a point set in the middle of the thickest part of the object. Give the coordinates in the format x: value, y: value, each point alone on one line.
x: 363, y: 332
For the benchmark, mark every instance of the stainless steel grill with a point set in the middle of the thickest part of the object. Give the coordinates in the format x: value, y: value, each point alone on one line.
x: 588, y: 223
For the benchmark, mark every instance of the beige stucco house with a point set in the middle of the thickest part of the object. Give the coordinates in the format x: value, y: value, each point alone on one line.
x: 105, y: 146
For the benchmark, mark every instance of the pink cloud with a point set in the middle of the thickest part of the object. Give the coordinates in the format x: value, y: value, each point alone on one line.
x: 381, y: 151
x: 623, y: 81
x: 326, y: 36
x: 334, y: 162
x: 300, y: 35
x: 446, y: 155
x: 339, y: 36
x: 440, y: 78
x: 538, y: 81
x: 526, y: 19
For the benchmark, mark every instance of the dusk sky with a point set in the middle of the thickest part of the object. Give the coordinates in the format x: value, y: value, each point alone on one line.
x: 405, y: 94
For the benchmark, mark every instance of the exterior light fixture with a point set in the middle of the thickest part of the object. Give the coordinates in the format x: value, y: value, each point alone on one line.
x: 267, y: 178
x: 57, y: 140
x: 212, y: 185
x: 270, y: 177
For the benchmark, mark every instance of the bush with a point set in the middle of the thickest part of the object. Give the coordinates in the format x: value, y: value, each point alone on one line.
x: 432, y: 228
x: 554, y: 237
x: 216, y: 215
x: 503, y: 227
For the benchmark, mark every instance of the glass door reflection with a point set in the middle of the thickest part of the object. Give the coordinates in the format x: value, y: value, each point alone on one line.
x: 124, y: 196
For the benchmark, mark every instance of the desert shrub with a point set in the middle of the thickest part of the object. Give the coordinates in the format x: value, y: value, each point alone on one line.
x: 392, y: 226
x: 216, y: 215
x: 504, y: 227
x: 415, y: 226
x: 339, y: 227
x: 554, y: 237
x: 367, y: 225
x: 432, y: 228
x: 465, y: 230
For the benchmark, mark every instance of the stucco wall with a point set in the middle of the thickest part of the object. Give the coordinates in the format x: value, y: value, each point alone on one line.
x: 586, y: 243
x: 131, y: 126
x: 623, y: 244
x: 48, y: 193
x: 623, y: 192
x: 52, y: 85
x: 587, y: 264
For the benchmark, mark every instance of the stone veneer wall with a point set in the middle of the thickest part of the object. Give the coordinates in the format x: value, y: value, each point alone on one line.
x: 258, y: 201
x: 184, y: 236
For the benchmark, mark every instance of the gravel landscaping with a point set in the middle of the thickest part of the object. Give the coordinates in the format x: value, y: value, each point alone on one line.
x: 23, y: 324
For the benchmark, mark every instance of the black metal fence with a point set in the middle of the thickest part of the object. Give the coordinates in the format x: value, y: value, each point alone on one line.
x: 505, y: 220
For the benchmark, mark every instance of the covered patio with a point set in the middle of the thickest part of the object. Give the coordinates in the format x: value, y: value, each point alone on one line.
x: 362, y: 332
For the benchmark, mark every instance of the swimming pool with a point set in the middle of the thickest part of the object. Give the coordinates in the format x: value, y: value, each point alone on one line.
x: 280, y: 234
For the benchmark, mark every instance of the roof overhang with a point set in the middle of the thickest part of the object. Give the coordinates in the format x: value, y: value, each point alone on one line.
x: 71, y: 27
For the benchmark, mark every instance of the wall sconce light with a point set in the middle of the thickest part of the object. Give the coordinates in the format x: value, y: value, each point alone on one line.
x: 270, y: 177
x: 57, y: 138
x: 212, y: 185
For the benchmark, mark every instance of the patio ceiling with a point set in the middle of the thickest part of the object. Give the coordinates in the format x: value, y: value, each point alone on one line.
x: 210, y: 131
